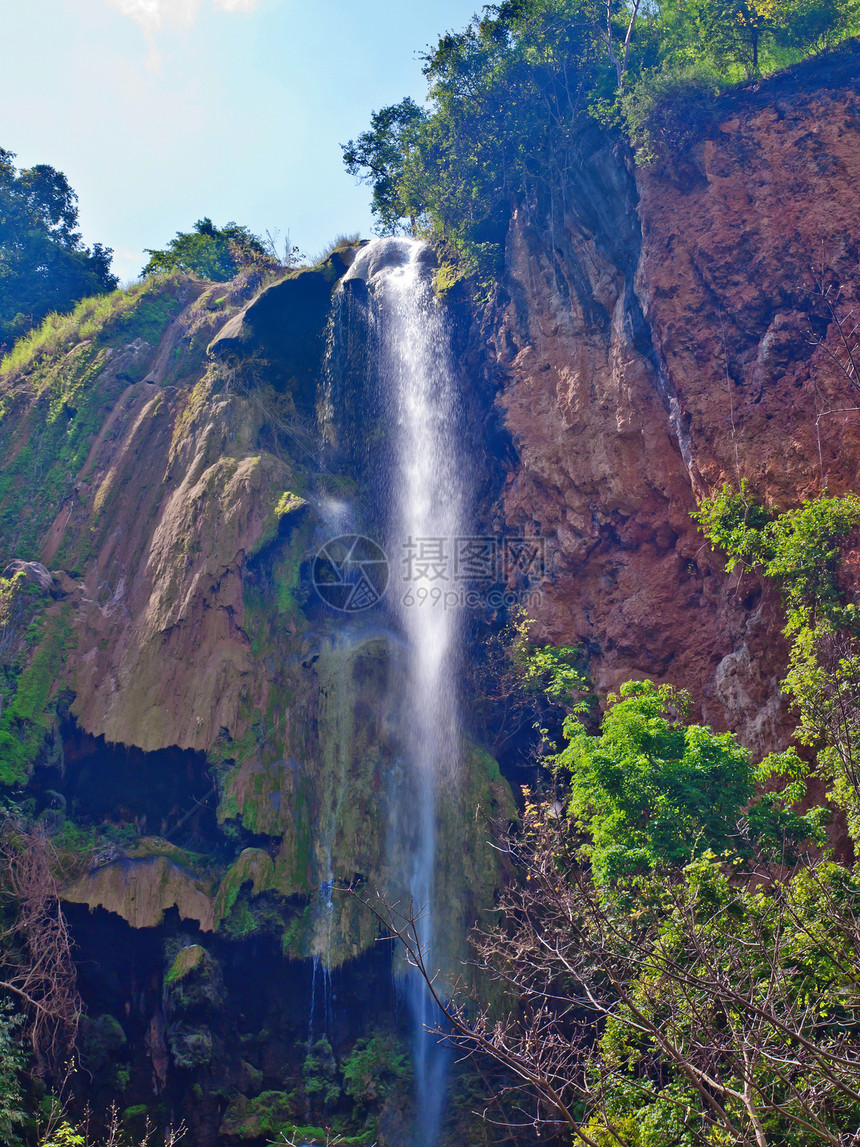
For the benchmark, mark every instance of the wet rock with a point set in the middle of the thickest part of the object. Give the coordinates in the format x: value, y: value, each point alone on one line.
x: 102, y: 1038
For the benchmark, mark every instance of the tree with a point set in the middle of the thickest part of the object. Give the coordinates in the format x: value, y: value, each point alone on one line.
x: 651, y: 792
x: 378, y: 158
x: 507, y: 99
x: 677, y: 969
x: 518, y: 686
x: 803, y: 551
x: 36, y: 963
x: 44, y: 264
x: 11, y: 1064
x: 703, y: 999
x: 216, y: 253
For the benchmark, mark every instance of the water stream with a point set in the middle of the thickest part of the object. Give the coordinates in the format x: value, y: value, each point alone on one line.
x: 425, y: 492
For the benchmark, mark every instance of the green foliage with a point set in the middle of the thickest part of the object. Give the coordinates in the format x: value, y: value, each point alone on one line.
x: 103, y: 1039
x: 800, y: 548
x: 30, y: 672
x: 64, y: 1136
x: 519, y: 685
x: 749, y: 34
x: 375, y: 1068
x: 319, y: 1072
x: 554, y: 671
x: 507, y: 99
x: 738, y: 976
x: 44, y: 265
x: 379, y: 157
x: 268, y: 1116
x: 211, y: 252
x: 68, y: 394
x: 127, y: 313
x: 733, y: 522
x: 666, y: 110
x: 652, y: 792
x: 511, y: 100
x: 729, y: 941
x: 12, y: 1062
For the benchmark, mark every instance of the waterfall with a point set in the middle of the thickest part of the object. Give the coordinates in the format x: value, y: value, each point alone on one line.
x: 423, y: 489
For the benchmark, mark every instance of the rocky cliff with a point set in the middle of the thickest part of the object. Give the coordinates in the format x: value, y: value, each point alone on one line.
x: 214, y: 750
x: 671, y: 330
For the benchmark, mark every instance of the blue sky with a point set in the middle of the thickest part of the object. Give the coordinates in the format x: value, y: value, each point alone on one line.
x: 163, y: 111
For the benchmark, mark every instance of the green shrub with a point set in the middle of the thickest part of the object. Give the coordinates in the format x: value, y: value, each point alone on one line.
x: 667, y: 110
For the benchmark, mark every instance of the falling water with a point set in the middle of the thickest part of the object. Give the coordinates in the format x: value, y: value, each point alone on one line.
x: 426, y: 493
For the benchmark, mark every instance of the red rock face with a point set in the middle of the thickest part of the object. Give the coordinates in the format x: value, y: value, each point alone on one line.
x: 731, y: 273
x: 644, y: 369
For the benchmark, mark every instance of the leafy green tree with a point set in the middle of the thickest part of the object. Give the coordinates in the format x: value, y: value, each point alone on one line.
x: 511, y: 100
x: 379, y: 157
x: 651, y: 791
x: 802, y: 550
x: 44, y: 265
x: 12, y: 1062
x: 507, y: 98
x: 741, y: 32
x: 710, y: 1004
x: 216, y: 253
x: 813, y: 25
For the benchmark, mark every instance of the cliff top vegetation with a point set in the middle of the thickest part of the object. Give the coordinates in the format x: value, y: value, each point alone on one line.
x: 44, y: 264
x: 510, y: 96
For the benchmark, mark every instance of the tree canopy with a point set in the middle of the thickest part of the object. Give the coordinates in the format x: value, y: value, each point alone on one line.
x: 216, y: 253
x: 44, y: 264
x: 509, y: 97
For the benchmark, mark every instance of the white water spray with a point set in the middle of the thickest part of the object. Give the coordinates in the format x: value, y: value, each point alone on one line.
x: 427, y: 495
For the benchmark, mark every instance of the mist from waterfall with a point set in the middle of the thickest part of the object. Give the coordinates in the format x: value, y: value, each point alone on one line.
x: 427, y: 503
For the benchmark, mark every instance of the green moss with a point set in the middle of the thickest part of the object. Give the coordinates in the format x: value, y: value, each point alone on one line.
x: 74, y: 841
x: 376, y: 1067
x: 269, y: 1115
x: 131, y: 312
x: 295, y: 940
x: 294, y: 1133
x: 241, y: 922
x: 186, y: 961
x: 149, y: 846
x: 29, y: 716
x: 56, y: 389
x: 253, y: 866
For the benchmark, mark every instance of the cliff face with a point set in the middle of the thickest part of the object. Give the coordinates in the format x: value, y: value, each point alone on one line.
x: 180, y: 556
x: 665, y: 335
x: 216, y: 752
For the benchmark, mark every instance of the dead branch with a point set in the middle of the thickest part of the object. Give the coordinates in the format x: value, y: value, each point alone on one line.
x: 37, y: 963
x: 721, y: 999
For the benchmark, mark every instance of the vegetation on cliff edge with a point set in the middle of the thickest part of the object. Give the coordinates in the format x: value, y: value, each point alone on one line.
x: 510, y: 97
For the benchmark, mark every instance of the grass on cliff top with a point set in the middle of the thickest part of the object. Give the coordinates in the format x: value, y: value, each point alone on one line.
x: 140, y: 311
x: 47, y: 426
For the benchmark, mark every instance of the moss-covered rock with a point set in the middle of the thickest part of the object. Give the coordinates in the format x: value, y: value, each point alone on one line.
x: 264, y: 1117
x: 102, y: 1038
x: 193, y: 982
x: 141, y: 891
x: 191, y: 1046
